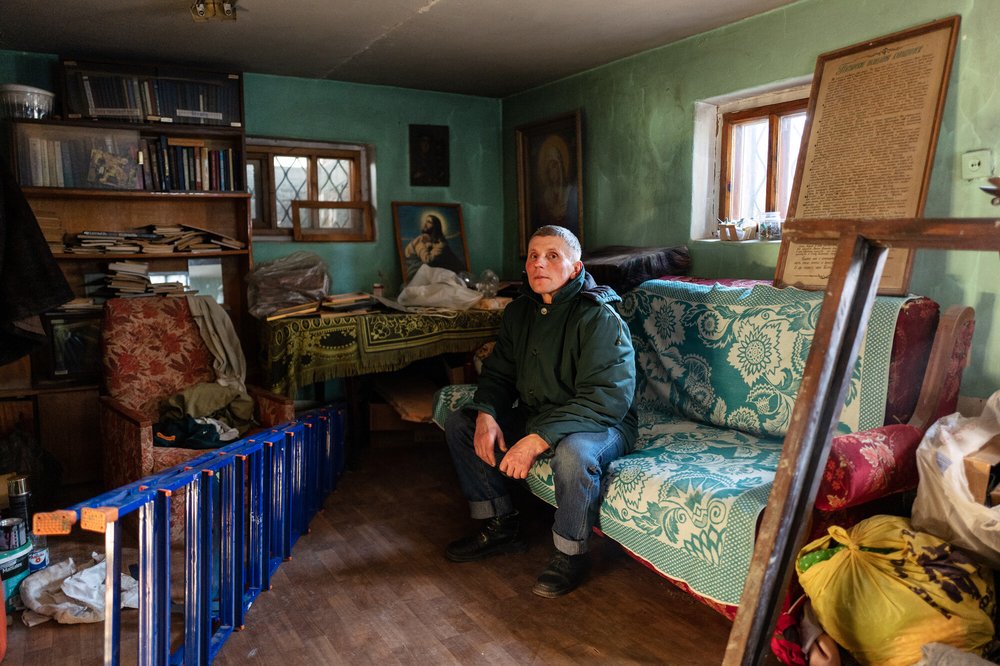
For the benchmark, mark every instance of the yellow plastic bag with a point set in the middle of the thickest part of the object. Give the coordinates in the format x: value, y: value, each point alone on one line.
x: 883, y: 590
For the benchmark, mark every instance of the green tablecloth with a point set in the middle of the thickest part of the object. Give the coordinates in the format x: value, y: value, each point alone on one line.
x: 300, y: 351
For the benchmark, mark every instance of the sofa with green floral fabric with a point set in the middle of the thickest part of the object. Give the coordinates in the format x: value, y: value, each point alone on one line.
x: 718, y: 368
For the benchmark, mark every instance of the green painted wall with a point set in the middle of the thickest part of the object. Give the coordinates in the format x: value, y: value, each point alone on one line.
x: 327, y: 110
x: 638, y: 119
x: 28, y: 69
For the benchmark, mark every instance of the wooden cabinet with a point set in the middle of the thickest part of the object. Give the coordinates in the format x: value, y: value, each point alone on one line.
x: 180, y: 163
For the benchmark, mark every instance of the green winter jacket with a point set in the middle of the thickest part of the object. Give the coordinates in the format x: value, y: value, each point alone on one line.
x: 570, y: 364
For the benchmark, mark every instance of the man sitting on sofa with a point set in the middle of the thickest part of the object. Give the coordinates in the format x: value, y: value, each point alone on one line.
x: 559, y: 382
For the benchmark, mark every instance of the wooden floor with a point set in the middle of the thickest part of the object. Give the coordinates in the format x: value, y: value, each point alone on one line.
x: 369, y: 584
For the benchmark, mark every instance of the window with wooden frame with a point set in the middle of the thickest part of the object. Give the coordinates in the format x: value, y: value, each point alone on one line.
x: 760, y: 146
x: 313, y: 191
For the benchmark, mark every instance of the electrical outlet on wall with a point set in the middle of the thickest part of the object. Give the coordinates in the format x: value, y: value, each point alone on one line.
x: 977, y: 164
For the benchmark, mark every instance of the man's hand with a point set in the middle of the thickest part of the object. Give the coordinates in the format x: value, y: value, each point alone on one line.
x: 522, y: 456
x: 488, y: 435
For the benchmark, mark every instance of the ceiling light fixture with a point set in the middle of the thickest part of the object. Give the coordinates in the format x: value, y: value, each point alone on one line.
x: 203, y: 10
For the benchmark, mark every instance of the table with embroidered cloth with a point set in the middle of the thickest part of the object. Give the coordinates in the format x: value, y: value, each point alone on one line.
x: 300, y: 351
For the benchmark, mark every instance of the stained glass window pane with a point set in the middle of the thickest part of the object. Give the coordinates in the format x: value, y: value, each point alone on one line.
x: 334, y: 176
x: 253, y: 173
x: 291, y: 178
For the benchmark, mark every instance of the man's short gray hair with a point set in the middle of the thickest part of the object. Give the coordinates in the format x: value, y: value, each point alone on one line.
x: 562, y: 232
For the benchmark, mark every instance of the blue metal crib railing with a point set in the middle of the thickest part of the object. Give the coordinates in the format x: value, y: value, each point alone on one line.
x: 246, y: 505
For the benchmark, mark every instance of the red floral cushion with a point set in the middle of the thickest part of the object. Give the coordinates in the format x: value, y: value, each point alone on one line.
x: 152, y: 349
x: 864, y: 466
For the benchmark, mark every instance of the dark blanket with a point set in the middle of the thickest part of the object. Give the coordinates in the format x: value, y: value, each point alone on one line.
x: 30, y: 279
x: 624, y: 267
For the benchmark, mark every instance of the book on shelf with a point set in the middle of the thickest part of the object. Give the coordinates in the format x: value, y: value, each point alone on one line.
x: 157, y: 248
x: 107, y: 233
x: 132, y: 267
x: 216, y: 237
x: 110, y: 170
x: 171, y: 288
x: 82, y: 304
x: 229, y: 243
x: 52, y: 229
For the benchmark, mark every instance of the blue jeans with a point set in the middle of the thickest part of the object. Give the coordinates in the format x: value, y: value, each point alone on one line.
x: 578, y: 463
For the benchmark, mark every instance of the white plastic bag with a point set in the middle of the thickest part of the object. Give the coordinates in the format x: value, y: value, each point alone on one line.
x: 72, y: 594
x: 300, y: 277
x: 438, y: 288
x: 944, y: 505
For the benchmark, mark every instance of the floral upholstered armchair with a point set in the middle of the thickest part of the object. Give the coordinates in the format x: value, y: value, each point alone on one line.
x: 152, y: 349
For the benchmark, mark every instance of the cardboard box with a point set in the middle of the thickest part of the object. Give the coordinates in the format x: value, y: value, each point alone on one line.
x: 979, y: 467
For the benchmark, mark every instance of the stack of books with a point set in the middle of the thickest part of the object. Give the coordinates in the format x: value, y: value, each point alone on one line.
x: 52, y: 230
x: 350, y: 303
x: 214, y: 240
x: 170, y: 289
x: 188, y: 238
x: 127, y: 278
x: 83, y: 304
x: 154, y: 239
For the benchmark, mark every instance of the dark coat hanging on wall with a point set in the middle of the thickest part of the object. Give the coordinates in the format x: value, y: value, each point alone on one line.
x: 30, y: 279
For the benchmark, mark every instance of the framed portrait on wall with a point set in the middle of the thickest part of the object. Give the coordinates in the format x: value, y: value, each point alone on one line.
x: 429, y: 156
x: 429, y: 233
x: 550, y: 175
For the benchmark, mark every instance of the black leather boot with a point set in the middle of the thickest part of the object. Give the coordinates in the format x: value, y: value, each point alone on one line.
x: 564, y: 574
x: 500, y: 534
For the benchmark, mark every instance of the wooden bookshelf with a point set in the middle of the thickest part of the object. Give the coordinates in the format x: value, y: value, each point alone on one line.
x: 58, y: 166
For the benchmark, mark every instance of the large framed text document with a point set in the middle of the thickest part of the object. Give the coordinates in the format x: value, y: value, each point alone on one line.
x: 868, y: 145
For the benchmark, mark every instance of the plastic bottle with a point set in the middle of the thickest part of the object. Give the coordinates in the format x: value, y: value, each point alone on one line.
x: 38, y: 558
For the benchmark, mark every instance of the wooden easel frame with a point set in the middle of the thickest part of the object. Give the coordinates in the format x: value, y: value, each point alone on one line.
x: 862, y: 246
